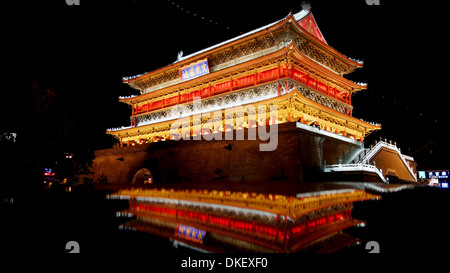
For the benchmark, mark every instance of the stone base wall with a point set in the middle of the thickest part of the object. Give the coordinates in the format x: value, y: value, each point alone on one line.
x: 297, y: 158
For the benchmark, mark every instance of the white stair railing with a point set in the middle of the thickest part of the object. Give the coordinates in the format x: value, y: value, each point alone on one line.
x: 372, y: 152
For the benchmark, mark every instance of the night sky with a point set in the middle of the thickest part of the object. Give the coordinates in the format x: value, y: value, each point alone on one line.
x: 76, y: 57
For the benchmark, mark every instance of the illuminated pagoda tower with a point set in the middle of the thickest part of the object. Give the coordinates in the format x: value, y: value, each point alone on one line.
x: 228, y: 194
x: 287, y: 63
x: 283, y: 76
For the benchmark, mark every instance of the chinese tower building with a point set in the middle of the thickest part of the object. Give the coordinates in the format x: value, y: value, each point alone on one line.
x: 287, y: 63
x: 197, y: 168
x: 283, y: 76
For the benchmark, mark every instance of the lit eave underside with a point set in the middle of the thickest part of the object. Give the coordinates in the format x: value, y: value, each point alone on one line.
x: 304, y: 100
x: 293, y: 94
x: 210, y: 77
x: 322, y: 69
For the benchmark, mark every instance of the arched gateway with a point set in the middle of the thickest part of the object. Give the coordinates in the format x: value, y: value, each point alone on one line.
x: 142, y: 176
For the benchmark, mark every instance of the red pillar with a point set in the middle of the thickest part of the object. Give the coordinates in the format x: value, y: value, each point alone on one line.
x: 278, y: 72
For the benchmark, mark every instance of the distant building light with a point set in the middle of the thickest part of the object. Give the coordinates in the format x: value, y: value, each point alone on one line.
x: 48, y: 172
x: 422, y: 175
x: 444, y: 185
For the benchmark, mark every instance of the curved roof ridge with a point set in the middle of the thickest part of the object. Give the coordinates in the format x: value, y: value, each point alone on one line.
x: 183, y: 58
x: 232, y: 39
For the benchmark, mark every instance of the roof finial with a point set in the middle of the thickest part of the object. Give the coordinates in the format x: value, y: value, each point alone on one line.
x: 180, y: 55
x: 306, y: 5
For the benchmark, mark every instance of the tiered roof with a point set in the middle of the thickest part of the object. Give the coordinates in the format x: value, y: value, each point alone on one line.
x: 301, y: 25
x: 288, y: 54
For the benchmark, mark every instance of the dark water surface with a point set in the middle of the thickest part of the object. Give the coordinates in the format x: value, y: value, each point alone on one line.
x: 412, y: 222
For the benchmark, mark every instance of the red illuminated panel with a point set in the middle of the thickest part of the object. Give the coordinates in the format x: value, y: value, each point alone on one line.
x: 245, y: 81
x: 309, y: 24
x: 242, y: 82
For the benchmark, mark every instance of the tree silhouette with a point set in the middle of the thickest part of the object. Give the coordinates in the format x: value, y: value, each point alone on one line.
x: 46, y: 130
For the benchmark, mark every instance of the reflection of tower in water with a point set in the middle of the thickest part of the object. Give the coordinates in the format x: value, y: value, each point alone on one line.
x: 239, y: 221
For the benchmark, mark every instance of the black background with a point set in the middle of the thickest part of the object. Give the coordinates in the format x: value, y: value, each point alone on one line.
x: 82, y: 52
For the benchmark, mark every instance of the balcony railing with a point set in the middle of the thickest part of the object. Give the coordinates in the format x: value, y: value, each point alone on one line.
x: 356, y: 167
